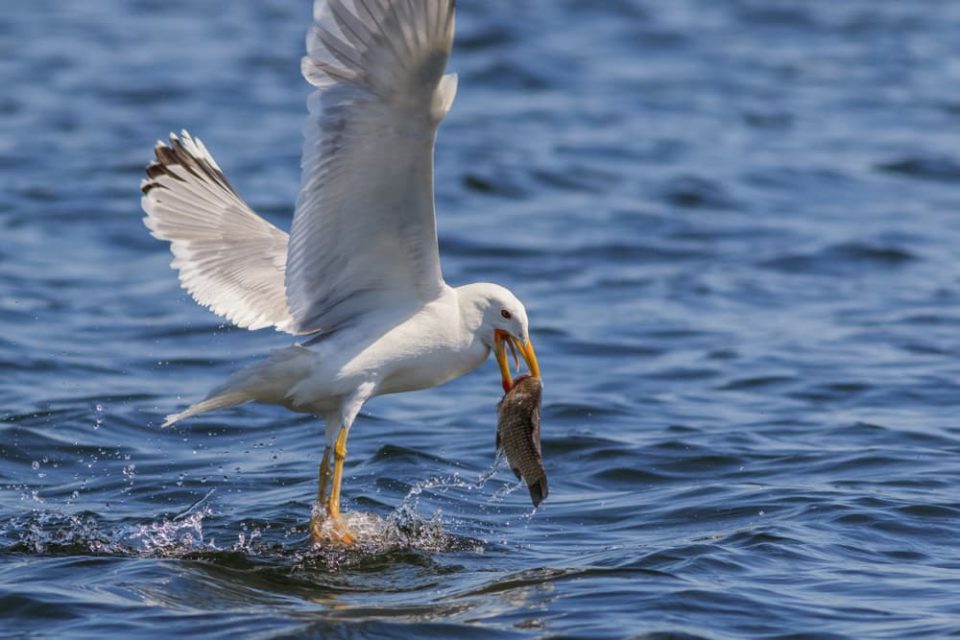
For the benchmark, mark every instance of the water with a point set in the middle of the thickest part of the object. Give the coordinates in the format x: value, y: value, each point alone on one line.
x: 735, y: 226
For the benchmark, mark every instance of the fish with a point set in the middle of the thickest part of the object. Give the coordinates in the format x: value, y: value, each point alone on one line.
x: 518, y: 434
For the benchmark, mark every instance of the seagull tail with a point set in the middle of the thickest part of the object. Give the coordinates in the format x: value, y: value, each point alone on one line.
x: 222, y: 401
x: 271, y: 381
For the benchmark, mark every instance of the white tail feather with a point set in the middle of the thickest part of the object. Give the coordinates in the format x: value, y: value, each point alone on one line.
x: 269, y: 381
x: 210, y: 404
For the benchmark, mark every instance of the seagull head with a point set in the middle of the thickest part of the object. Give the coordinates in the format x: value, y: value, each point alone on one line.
x: 504, y: 326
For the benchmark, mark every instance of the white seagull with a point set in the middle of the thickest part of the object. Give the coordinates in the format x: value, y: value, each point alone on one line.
x: 359, y: 274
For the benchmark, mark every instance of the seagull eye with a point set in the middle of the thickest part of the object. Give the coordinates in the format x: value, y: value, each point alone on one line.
x: 506, y: 315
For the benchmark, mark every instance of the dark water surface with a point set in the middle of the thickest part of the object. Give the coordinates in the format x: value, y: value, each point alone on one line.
x: 736, y: 227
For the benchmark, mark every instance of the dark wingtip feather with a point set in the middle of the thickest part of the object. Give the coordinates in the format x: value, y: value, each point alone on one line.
x: 174, y: 153
x: 165, y: 155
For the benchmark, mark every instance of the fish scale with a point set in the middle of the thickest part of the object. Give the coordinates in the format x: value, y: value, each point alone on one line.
x: 518, y: 434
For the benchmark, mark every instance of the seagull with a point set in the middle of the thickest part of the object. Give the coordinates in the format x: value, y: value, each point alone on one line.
x: 358, y: 278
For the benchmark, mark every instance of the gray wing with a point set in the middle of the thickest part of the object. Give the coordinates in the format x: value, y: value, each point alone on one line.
x: 364, y: 234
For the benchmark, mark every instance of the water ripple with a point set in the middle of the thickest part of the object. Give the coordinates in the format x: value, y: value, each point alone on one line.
x: 733, y: 224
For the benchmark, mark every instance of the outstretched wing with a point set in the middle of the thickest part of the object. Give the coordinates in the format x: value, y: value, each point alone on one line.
x: 364, y: 233
x: 230, y: 259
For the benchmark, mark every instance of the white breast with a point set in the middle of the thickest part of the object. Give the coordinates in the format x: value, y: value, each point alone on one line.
x: 427, y: 350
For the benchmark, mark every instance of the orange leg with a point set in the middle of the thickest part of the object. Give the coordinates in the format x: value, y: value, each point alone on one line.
x: 324, y: 477
x: 340, y: 532
x: 316, y: 520
x: 339, y: 456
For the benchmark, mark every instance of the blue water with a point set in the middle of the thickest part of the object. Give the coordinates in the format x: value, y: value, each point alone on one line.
x: 735, y: 225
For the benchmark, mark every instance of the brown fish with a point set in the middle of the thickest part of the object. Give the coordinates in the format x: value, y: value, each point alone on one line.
x: 518, y: 434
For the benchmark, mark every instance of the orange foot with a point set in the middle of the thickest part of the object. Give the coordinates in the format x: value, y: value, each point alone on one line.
x: 327, y: 528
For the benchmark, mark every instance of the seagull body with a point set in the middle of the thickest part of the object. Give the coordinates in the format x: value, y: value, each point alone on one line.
x: 359, y: 275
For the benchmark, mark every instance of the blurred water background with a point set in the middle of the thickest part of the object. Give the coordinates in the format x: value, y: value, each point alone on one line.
x: 736, y: 227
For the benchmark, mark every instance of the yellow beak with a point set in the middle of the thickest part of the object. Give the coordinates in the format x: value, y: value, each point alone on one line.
x: 501, y: 340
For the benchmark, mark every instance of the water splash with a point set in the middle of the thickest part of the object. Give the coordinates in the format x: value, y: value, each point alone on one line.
x: 170, y: 538
x: 46, y: 531
x: 444, y: 484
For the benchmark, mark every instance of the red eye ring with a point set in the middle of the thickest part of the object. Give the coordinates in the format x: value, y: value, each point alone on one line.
x: 506, y: 315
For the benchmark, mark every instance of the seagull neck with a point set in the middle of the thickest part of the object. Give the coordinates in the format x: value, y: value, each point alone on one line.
x: 473, y: 302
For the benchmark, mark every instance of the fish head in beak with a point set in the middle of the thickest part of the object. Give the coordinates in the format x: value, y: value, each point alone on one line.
x: 502, y: 340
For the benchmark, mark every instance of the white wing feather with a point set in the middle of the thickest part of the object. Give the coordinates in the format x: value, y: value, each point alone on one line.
x: 364, y: 234
x: 231, y: 260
